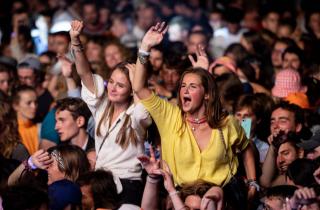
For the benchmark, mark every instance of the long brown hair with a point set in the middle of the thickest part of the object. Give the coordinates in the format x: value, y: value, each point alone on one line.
x: 72, y: 160
x: 214, y: 112
x: 9, y: 135
x: 123, y: 138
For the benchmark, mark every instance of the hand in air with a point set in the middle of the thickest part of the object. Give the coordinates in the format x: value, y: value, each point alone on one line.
x: 66, y: 66
x: 150, y: 164
x: 201, y: 57
x: 76, y: 28
x: 154, y: 36
x: 167, y: 177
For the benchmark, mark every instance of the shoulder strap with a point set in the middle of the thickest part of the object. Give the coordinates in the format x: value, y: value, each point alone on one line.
x: 225, y: 147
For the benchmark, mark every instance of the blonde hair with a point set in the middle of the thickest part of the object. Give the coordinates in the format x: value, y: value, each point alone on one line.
x: 123, y: 138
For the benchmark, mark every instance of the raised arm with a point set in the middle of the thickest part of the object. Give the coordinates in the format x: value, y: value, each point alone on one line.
x: 66, y: 70
x: 40, y: 159
x: 268, y: 167
x: 153, y: 37
x: 151, y: 189
x: 81, y: 61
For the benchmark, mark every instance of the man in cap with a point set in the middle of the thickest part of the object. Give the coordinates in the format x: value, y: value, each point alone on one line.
x: 311, y: 146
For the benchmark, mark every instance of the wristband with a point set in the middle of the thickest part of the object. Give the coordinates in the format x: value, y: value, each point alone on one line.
x: 143, y: 52
x: 31, y: 164
x: 173, y: 193
x: 143, y: 56
x: 13, y: 35
x: 77, y: 48
x: 152, y: 180
x: 253, y: 183
x: 76, y: 44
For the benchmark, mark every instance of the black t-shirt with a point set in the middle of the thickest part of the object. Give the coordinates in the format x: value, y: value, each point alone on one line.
x: 44, y: 102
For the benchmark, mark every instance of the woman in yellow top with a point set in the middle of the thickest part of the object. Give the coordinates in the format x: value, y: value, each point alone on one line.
x: 191, y: 143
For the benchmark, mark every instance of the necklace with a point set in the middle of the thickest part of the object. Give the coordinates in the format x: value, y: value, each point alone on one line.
x: 195, y: 122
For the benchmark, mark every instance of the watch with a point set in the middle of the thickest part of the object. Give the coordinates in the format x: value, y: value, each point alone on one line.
x: 143, y: 56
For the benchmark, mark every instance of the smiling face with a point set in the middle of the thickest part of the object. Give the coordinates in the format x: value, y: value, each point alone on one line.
x: 119, y: 87
x: 191, y: 93
x: 282, y: 119
x: 27, y: 105
x: 286, y: 155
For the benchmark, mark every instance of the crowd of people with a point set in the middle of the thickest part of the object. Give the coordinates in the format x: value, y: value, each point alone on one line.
x: 145, y: 105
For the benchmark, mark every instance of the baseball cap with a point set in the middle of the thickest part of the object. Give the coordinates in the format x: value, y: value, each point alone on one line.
x: 311, y: 143
x: 30, y: 62
x: 8, y: 61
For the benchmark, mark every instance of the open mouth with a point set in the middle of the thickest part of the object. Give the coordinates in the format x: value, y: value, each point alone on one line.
x: 186, y: 100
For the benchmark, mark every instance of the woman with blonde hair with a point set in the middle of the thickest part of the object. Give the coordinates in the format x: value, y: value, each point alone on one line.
x: 120, y: 121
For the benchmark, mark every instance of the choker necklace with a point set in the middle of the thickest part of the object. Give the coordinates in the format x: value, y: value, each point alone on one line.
x: 196, y: 122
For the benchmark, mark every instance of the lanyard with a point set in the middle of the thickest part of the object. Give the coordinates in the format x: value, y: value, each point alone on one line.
x: 106, y: 136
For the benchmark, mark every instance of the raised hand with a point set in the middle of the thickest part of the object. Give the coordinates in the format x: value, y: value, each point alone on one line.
x: 75, y: 31
x: 202, y: 58
x: 159, y: 89
x: 66, y: 66
x: 154, y: 36
x: 41, y: 159
x: 150, y: 164
x: 167, y: 177
x: 131, y: 67
x: 301, y: 197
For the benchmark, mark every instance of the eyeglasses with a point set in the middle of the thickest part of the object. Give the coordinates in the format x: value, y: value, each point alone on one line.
x: 57, y: 156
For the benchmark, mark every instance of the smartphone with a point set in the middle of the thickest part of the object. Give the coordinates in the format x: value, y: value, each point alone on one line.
x: 246, y: 125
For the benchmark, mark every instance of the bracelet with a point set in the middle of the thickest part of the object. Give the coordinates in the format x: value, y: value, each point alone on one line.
x: 26, y: 165
x: 77, y: 49
x: 253, y: 183
x: 13, y: 35
x: 143, y: 52
x: 251, y: 180
x: 173, y: 193
x: 143, y: 58
x: 76, y: 44
x: 31, y: 164
x: 153, y: 180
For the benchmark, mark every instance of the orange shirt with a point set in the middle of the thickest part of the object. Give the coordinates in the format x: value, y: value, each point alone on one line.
x: 29, y: 135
